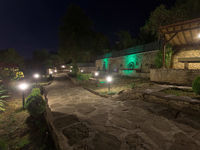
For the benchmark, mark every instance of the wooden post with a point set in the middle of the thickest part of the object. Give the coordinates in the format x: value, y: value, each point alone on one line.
x: 164, y: 47
x: 186, y: 65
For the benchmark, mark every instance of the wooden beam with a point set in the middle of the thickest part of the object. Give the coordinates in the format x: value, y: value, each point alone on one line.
x: 181, y: 23
x: 193, y: 28
x: 184, y: 36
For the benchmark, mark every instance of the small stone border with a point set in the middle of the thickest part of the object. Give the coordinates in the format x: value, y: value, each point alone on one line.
x: 180, y: 103
x: 58, y: 137
x: 90, y: 90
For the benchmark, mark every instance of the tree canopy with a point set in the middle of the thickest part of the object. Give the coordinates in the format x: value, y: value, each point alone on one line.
x: 182, y: 10
x: 78, y: 40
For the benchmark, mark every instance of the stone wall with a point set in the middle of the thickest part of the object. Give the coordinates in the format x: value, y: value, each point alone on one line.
x: 174, y: 76
x: 141, y: 61
x: 184, y: 54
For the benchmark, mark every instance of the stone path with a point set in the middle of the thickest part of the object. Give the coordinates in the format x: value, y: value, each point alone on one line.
x: 90, y: 122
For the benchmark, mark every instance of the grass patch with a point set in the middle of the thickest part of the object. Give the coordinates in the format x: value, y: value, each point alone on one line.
x: 19, y: 131
x: 119, y: 83
x: 181, y: 92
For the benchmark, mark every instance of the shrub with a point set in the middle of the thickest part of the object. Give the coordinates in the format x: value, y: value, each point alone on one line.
x: 83, y: 77
x: 168, y: 57
x: 3, y: 96
x: 35, y: 103
x: 196, y: 85
x: 133, y: 85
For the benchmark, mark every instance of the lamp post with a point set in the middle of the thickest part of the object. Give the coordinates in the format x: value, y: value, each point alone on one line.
x: 109, y: 80
x: 63, y: 66
x: 36, y: 76
x: 23, y: 87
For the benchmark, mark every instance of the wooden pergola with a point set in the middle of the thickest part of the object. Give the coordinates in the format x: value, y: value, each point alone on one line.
x: 185, y: 34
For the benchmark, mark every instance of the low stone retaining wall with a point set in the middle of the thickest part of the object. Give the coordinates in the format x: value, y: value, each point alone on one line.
x: 180, y: 103
x: 174, y: 76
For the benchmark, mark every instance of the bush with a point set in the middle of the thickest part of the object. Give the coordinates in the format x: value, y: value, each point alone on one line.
x: 83, y: 77
x: 196, y: 85
x: 35, y: 103
x: 3, y: 96
x: 168, y: 57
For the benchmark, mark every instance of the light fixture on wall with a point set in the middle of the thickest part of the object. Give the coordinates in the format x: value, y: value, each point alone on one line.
x: 198, y: 35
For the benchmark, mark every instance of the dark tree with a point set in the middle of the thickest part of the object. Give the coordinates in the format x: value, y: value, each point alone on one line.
x: 78, y: 41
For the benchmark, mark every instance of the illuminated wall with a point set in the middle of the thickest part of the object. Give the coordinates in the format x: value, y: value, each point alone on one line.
x: 105, y: 64
x: 132, y: 61
x: 143, y: 61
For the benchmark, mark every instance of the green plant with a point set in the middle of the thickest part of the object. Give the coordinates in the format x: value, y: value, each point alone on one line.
x: 3, y: 145
x: 3, y: 96
x: 133, y: 85
x: 35, y: 103
x: 168, y: 57
x: 75, y: 68
x: 196, y: 85
x: 83, y: 77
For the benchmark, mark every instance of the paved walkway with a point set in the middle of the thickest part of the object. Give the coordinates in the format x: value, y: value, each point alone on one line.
x: 91, y: 122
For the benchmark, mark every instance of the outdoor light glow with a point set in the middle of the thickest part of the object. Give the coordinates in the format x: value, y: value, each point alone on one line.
x: 70, y: 70
x: 50, y: 72
x: 96, y: 73
x: 109, y: 79
x: 63, y: 66
x: 81, y: 70
x: 36, y: 75
x: 55, y: 70
x: 198, y: 35
x: 71, y: 66
x: 23, y: 86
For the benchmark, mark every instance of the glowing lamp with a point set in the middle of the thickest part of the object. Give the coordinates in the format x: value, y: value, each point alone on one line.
x: 96, y: 74
x: 63, y: 66
x: 82, y: 70
x: 23, y: 86
x: 109, y: 79
x: 198, y: 35
x: 36, y: 75
x: 55, y: 71
x: 70, y: 70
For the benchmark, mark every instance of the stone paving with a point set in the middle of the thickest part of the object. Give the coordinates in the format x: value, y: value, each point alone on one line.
x: 90, y: 122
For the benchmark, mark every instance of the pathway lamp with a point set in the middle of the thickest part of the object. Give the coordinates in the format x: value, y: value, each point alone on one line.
x: 23, y: 87
x: 109, y: 80
x: 55, y: 71
x: 63, y: 66
x: 82, y: 70
x: 36, y: 76
x: 198, y: 35
x: 96, y: 74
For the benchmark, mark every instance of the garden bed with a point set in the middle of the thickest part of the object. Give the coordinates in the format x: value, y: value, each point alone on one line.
x: 181, y: 92
x: 18, y: 131
x: 119, y: 84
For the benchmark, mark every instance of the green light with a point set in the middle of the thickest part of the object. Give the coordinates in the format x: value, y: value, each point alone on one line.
x: 132, y: 61
x: 105, y: 63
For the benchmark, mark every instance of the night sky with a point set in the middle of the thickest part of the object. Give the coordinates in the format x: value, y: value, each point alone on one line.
x: 27, y: 25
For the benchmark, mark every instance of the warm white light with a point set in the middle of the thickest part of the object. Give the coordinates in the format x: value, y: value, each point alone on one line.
x: 109, y: 79
x: 70, y: 70
x: 55, y: 70
x: 82, y: 70
x: 71, y: 66
x: 23, y: 86
x: 198, y: 36
x: 63, y: 66
x: 96, y: 73
x: 50, y: 72
x: 36, y: 75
